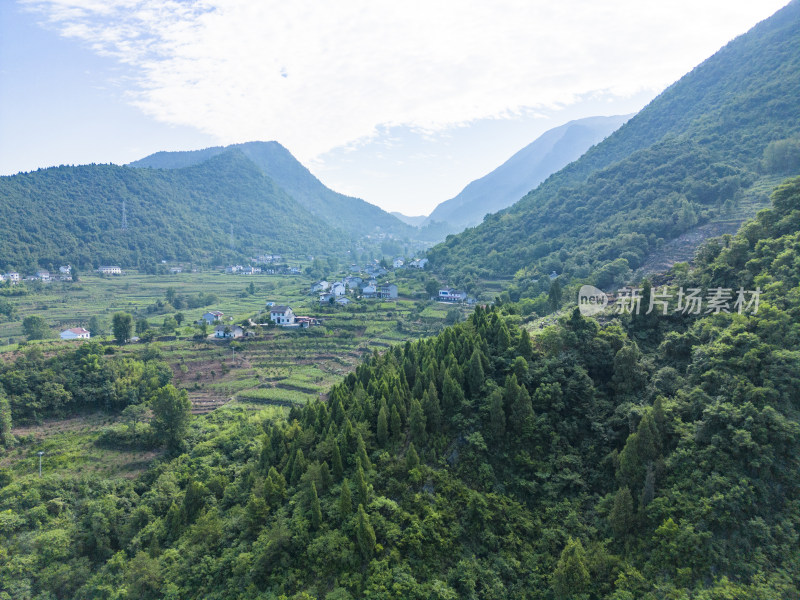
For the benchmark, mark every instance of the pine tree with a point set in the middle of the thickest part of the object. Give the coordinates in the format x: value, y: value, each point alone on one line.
x: 345, y: 499
x: 452, y: 395
x: 621, y: 516
x: 497, y: 415
x: 316, y: 510
x: 524, y: 347
x: 475, y: 375
x: 571, y: 576
x: 361, y: 485
x: 520, y: 410
x: 383, y: 426
x: 326, y: 481
x: 417, y: 425
x: 362, y: 453
x: 365, y: 534
x: 299, y: 466
x: 412, y: 458
x: 397, y: 427
x: 336, y: 460
x: 433, y: 411
x: 274, y: 487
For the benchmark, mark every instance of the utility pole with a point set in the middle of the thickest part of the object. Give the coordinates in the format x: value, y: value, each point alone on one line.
x: 40, y: 463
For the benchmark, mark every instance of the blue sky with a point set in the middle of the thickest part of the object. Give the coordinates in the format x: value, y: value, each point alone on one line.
x: 402, y: 104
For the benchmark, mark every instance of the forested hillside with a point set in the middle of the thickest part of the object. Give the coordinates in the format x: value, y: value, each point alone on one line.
x: 74, y: 215
x: 688, y: 157
x: 644, y: 456
x: 522, y: 172
x: 353, y: 215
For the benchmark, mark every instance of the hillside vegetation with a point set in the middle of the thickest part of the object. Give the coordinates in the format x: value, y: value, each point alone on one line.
x: 687, y: 158
x: 353, y: 215
x: 522, y: 172
x: 648, y: 457
x: 73, y: 215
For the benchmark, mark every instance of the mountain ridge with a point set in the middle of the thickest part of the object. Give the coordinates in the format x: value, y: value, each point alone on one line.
x: 276, y: 162
x: 523, y: 171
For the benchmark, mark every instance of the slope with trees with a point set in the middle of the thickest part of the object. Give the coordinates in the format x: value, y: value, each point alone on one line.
x: 647, y: 457
x: 222, y: 209
x: 353, y: 215
x: 689, y: 157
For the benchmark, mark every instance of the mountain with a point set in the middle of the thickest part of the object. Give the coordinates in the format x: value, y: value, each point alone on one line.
x: 706, y: 149
x: 524, y: 171
x: 353, y: 215
x: 655, y: 456
x: 73, y: 215
x: 413, y: 221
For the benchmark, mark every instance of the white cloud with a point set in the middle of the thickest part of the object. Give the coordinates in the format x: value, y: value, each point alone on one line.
x: 316, y: 76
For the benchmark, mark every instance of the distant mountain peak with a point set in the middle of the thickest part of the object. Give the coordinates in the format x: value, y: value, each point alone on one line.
x: 522, y: 172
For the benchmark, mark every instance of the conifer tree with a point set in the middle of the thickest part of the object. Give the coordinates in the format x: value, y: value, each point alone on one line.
x: 417, y: 425
x: 621, y: 516
x: 475, y: 375
x: 497, y: 415
x: 345, y: 499
x: 452, y: 394
x: 397, y: 427
x: 383, y: 426
x: 326, y: 481
x: 524, y: 347
x: 336, y: 461
x: 316, y: 510
x: 365, y: 534
x: 412, y: 458
x: 299, y: 466
x: 571, y: 576
x: 433, y: 411
x: 362, y: 453
x: 361, y: 486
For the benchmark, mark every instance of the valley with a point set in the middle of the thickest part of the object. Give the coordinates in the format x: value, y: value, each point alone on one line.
x: 240, y: 384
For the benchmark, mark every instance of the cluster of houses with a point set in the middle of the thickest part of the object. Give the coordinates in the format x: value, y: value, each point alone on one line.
x: 250, y: 270
x: 282, y: 316
x: 13, y: 277
x: 336, y: 292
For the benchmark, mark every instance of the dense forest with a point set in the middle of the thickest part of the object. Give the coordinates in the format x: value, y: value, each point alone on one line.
x: 691, y: 156
x: 352, y: 215
x: 224, y: 209
x: 636, y: 456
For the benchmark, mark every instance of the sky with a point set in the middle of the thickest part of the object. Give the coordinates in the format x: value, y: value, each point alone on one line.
x: 399, y: 103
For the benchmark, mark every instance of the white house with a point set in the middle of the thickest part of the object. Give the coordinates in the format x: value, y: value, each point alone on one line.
x: 65, y: 270
x: 420, y: 263
x: 212, y: 316
x: 369, y: 291
x: 175, y: 270
x: 343, y: 301
x: 451, y: 295
x: 387, y: 291
x: 281, y: 315
x: 338, y: 289
x: 326, y: 298
x: 320, y: 286
x: 397, y: 263
x: 43, y: 275
x: 76, y: 333
x: 110, y: 270
x: 228, y: 331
